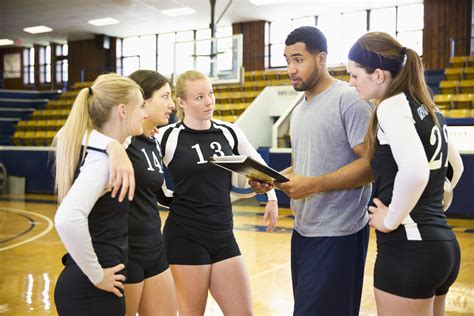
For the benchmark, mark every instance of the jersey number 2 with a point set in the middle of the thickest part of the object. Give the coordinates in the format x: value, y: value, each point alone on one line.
x: 436, y: 140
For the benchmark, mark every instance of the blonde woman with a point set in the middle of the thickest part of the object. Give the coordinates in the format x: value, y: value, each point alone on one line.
x: 199, y: 241
x: 92, y: 224
x: 418, y: 256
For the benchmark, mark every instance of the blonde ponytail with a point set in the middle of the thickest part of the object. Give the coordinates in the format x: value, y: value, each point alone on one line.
x: 91, y: 109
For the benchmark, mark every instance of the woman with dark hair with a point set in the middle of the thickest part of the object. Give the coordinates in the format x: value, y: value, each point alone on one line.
x: 408, y: 146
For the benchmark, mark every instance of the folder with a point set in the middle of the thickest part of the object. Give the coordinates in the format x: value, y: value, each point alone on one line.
x: 249, y: 167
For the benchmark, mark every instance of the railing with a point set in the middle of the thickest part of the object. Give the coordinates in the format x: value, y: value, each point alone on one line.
x: 453, y: 41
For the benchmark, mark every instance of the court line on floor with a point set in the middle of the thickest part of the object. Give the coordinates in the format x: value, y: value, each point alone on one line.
x: 32, y: 225
x: 41, y: 234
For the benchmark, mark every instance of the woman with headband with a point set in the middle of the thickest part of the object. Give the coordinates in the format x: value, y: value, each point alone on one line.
x: 409, y: 151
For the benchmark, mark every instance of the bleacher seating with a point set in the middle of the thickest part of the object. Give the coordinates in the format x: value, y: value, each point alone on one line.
x: 455, y: 98
x: 16, y: 107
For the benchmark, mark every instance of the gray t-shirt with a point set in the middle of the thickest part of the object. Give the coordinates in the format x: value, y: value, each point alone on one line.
x: 323, y: 133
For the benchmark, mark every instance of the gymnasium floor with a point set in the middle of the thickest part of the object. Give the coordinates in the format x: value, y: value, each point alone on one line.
x: 30, y: 260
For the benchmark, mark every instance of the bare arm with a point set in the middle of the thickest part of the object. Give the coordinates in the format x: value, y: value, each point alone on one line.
x: 352, y: 175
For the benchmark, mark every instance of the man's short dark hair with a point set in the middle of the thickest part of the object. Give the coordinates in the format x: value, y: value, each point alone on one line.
x: 311, y: 36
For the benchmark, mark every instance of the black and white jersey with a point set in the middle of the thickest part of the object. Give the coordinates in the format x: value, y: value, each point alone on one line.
x: 426, y: 220
x: 201, y: 203
x: 144, y: 224
x: 92, y: 225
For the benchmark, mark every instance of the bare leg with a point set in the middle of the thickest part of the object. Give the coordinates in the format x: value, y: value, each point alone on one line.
x: 133, y: 294
x: 439, y: 305
x: 158, y: 296
x: 393, y: 305
x: 230, y: 286
x: 192, y: 285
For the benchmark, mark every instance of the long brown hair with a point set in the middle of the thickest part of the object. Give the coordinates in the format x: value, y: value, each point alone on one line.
x: 91, y: 109
x: 410, y: 79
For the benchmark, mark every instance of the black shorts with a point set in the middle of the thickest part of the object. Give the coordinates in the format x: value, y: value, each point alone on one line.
x: 183, y: 248
x: 76, y: 295
x: 138, y: 270
x: 417, y: 269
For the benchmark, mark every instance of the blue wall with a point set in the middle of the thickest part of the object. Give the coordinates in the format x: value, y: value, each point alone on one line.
x: 35, y: 165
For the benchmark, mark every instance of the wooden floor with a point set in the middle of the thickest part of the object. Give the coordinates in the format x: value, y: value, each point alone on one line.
x: 30, y: 260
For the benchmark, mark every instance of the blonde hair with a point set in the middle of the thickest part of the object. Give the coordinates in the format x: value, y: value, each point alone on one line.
x: 91, y: 109
x: 180, y: 87
x: 410, y: 79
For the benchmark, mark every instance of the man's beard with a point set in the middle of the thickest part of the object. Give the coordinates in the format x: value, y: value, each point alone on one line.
x: 309, y: 84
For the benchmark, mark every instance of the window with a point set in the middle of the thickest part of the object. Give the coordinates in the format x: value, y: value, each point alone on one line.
x: 331, y: 26
x: 29, y: 65
x: 166, y: 53
x: 342, y: 29
x: 410, y: 26
x: 45, y: 64
x: 138, y: 52
x: 119, y: 56
x: 383, y: 20
x: 61, y: 63
x: 276, y: 32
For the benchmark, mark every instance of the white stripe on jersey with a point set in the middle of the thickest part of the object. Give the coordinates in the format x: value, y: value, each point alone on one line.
x: 411, y: 228
x: 225, y: 131
x: 171, y: 143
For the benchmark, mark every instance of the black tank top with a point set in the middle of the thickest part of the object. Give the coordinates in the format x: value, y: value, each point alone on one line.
x: 108, y: 227
x: 144, y: 223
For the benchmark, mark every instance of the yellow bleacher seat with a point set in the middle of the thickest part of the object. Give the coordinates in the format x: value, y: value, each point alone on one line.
x: 31, y: 125
x: 281, y: 82
x: 40, y: 125
x: 459, y: 113
x: 21, y: 125
x: 18, y: 138
x: 52, y: 125
x: 444, y: 101
x: 255, y: 85
x: 343, y: 77
x: 230, y: 118
x: 338, y: 71
x: 238, y: 108
x: 39, y: 138
x: 462, y: 101
x: 458, y: 61
x: 448, y: 86
x: 69, y: 95
x: 254, y: 75
x: 470, y: 61
x: 28, y: 138
x: 49, y: 137
x: 445, y: 112
x: 453, y: 73
x: 82, y: 85
x: 469, y: 73
x: 466, y: 86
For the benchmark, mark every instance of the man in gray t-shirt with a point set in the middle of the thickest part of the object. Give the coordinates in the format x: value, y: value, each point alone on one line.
x: 329, y: 183
x: 324, y: 132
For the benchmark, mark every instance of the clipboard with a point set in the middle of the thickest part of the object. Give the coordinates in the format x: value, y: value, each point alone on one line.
x: 249, y: 167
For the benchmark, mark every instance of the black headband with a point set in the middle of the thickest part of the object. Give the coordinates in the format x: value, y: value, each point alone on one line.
x: 90, y: 91
x: 374, y: 60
